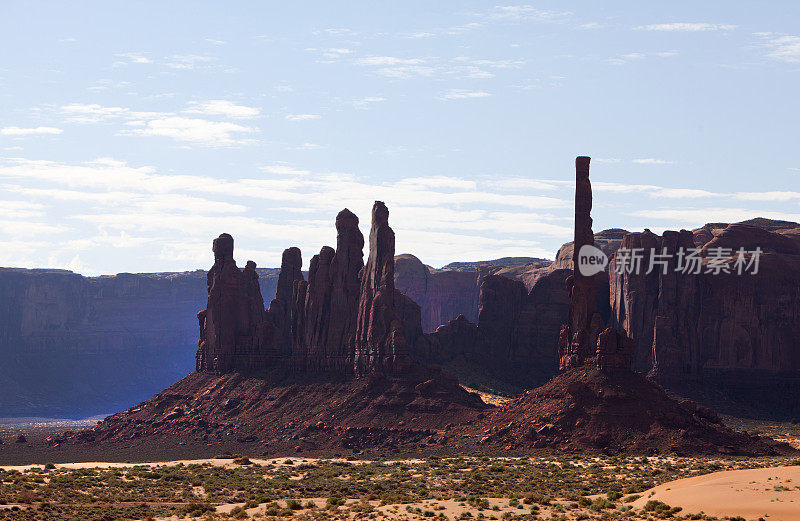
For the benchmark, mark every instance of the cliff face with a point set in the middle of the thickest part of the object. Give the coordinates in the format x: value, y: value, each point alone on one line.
x: 442, y: 294
x: 68, y: 343
x: 693, y: 324
x: 513, y: 345
x: 730, y: 340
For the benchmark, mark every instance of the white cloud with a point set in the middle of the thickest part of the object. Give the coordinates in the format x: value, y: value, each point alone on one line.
x: 393, y: 67
x: 654, y: 191
x: 166, y: 124
x: 635, y: 56
x: 525, y: 12
x: 306, y: 146
x: 20, y: 131
x: 95, y: 113
x: 784, y: 48
x: 132, y: 57
x: 457, y: 67
x: 683, y: 193
x: 438, y: 182
x: 193, y: 130
x: 107, y: 203
x: 334, y: 53
x: 517, y: 183
x: 222, y: 108
x: 695, y: 217
x: 459, y: 94
x: 777, y: 196
x: 302, y: 117
x: 687, y: 27
x: 20, y: 209
x: 188, y: 61
x: 652, y: 161
x: 366, y: 103
x: 283, y: 170
x: 389, y: 60
x: 26, y: 228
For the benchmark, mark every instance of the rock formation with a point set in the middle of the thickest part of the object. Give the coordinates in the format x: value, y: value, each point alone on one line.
x: 442, y: 294
x: 511, y: 348
x: 348, y: 318
x: 585, y: 339
x: 380, y: 341
x: 280, y: 309
x: 234, y: 333
x: 708, y: 325
x: 324, y: 309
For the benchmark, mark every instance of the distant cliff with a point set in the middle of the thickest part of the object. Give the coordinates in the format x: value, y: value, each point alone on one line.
x: 73, y: 345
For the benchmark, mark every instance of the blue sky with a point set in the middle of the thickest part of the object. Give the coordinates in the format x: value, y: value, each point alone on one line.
x: 132, y: 133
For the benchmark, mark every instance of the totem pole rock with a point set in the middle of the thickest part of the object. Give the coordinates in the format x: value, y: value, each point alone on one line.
x: 584, y: 339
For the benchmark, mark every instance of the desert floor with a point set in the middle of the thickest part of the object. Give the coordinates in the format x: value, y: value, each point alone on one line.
x: 571, y: 488
x: 772, y: 493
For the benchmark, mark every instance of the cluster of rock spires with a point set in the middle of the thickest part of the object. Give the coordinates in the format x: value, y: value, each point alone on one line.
x: 733, y: 339
x: 348, y: 319
x: 344, y: 319
x: 585, y: 339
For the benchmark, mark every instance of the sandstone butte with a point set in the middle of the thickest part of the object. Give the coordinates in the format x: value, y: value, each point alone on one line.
x: 329, y: 364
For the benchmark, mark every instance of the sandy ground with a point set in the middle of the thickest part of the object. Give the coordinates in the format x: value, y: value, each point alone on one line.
x: 217, y: 462
x: 451, y: 508
x: 771, y: 493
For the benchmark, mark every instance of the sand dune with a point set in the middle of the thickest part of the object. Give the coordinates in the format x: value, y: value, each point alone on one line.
x: 772, y: 493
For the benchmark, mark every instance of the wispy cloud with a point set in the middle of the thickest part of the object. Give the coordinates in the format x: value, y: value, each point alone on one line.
x: 193, y: 130
x: 188, y: 61
x: 464, y: 67
x: 776, y: 196
x: 784, y: 48
x: 95, y: 113
x: 123, y: 205
x: 695, y: 217
x: 29, y: 131
x: 222, y: 108
x: 524, y: 13
x: 307, y: 146
x: 653, y: 161
x: 302, y: 117
x: 687, y: 27
x: 459, y: 94
x: 132, y: 57
x: 368, y: 102
x: 636, y: 56
x: 166, y: 124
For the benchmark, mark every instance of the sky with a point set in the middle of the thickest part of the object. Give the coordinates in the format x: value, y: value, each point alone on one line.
x: 133, y: 133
